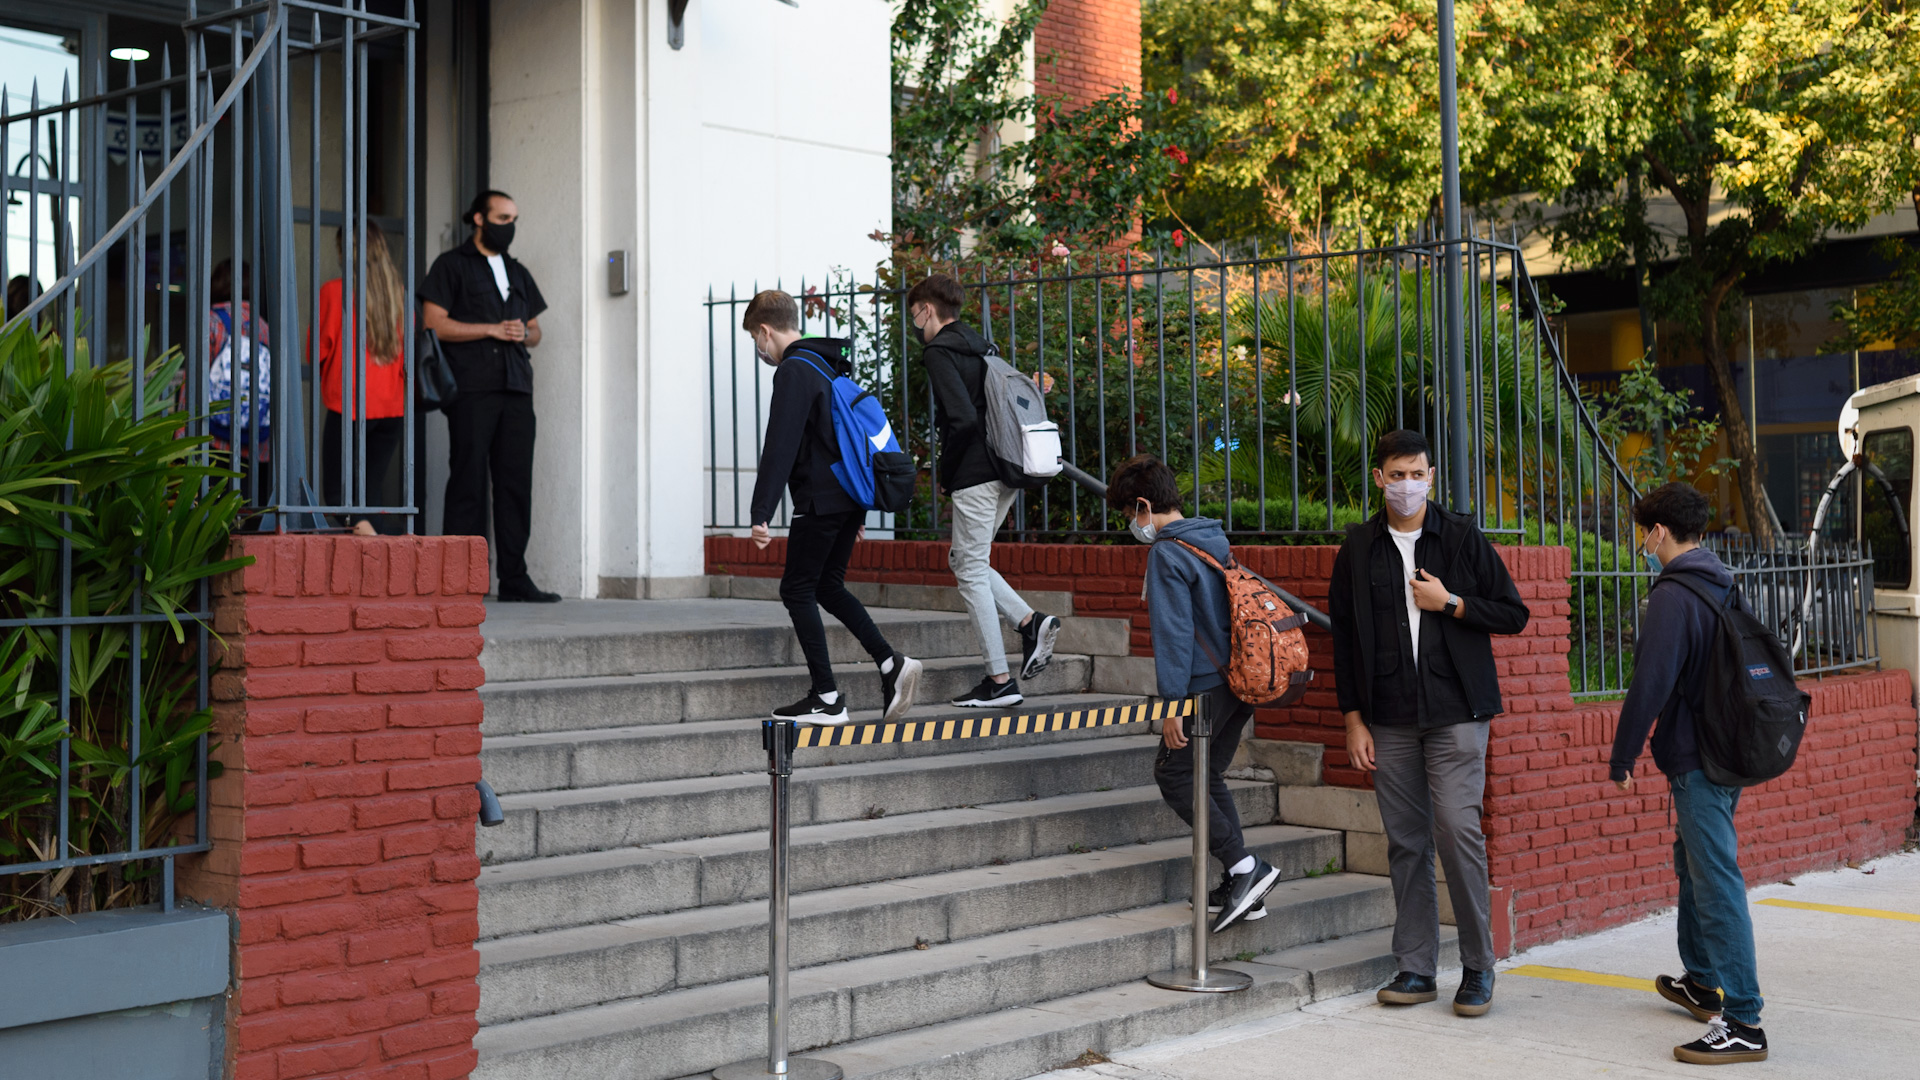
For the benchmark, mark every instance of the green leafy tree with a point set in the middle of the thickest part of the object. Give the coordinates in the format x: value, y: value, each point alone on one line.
x: 1677, y: 434
x: 958, y: 85
x: 1769, y: 122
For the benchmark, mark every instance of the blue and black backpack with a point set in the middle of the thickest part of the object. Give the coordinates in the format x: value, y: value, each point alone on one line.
x: 872, y: 467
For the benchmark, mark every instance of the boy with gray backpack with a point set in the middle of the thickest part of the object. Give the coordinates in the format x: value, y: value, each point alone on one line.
x: 995, y: 441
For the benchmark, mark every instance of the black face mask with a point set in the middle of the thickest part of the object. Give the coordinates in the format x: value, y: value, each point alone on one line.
x: 497, y: 236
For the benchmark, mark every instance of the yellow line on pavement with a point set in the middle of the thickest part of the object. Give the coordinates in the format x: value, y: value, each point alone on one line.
x: 1575, y: 975
x: 1836, y: 909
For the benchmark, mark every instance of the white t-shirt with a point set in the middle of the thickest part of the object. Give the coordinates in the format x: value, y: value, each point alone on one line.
x: 499, y: 265
x: 1405, y: 541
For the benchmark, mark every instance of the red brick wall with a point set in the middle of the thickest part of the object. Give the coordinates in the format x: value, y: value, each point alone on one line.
x: 1568, y: 853
x: 1085, y: 49
x: 347, y: 718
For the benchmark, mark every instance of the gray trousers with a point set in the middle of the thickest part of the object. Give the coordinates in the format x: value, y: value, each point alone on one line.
x: 1430, y: 784
x: 977, y: 514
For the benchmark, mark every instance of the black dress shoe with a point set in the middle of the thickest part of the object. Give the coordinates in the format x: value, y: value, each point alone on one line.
x: 1475, y: 995
x: 1408, y: 989
x: 525, y: 592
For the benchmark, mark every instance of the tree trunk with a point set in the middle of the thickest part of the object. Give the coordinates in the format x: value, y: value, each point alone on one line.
x: 1753, y: 495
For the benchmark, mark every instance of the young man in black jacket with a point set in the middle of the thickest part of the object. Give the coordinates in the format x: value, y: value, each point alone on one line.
x: 1416, y: 592
x: 799, y: 453
x: 1721, y: 984
x: 982, y: 488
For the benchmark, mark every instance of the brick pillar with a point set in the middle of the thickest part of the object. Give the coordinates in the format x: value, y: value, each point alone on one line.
x: 1085, y: 49
x: 347, y: 718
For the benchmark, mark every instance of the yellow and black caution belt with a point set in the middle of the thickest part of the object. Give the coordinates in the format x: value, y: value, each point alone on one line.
x: 974, y: 727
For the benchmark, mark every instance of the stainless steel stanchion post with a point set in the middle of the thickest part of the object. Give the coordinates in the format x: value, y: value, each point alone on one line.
x: 779, y: 738
x: 1199, y: 979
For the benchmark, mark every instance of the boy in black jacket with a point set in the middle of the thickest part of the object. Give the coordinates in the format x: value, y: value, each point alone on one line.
x: 1721, y: 984
x: 982, y: 488
x: 799, y: 453
x: 1416, y: 591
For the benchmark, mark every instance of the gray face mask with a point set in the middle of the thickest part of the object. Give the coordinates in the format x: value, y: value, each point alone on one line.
x: 1143, y: 533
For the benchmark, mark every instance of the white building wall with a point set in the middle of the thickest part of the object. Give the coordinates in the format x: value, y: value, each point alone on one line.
x: 756, y: 151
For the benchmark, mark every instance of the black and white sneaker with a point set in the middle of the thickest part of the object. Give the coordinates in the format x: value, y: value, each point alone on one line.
x: 811, y: 710
x: 1036, y: 643
x: 1725, y: 1043
x: 1244, y: 891
x: 990, y: 695
x: 900, y: 687
x: 1703, y: 1003
x: 1217, y: 899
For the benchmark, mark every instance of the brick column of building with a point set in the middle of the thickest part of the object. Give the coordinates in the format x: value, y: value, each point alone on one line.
x: 347, y: 719
x: 1085, y: 49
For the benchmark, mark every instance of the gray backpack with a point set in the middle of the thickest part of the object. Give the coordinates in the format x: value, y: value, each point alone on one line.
x: 1018, y: 431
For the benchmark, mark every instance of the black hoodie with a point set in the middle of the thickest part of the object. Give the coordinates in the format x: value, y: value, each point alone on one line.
x: 800, y: 448
x: 957, y: 368
x: 1669, y: 666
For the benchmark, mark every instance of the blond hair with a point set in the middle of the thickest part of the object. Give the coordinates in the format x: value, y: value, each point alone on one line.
x: 386, y: 297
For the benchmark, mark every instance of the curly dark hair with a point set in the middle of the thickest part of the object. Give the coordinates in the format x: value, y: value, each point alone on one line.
x: 1144, y: 477
x: 1679, y: 506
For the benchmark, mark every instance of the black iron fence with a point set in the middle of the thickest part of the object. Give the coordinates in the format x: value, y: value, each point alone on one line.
x: 154, y: 355
x: 1263, y: 380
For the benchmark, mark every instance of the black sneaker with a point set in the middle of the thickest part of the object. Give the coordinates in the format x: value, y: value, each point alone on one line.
x: 1725, y: 1043
x: 1408, y: 989
x: 811, y: 710
x: 1244, y: 891
x: 1217, y: 899
x: 900, y: 688
x: 1036, y: 643
x: 525, y: 592
x: 1475, y: 995
x: 990, y: 695
x: 1703, y: 1003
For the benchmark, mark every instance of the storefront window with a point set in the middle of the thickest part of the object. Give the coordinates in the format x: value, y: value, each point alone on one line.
x: 1892, y: 451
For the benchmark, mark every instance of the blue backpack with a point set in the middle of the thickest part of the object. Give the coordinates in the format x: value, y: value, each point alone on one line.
x: 872, y: 467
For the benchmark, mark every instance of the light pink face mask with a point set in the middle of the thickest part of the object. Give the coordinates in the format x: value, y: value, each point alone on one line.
x: 1406, y: 497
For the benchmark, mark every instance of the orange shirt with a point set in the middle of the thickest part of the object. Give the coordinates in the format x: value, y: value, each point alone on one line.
x: 386, y: 384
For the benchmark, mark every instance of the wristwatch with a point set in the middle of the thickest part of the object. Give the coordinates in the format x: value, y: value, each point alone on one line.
x: 1453, y: 604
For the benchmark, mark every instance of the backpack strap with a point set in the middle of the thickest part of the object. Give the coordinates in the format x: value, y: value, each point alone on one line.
x: 1687, y: 582
x: 1295, y: 619
x: 804, y: 353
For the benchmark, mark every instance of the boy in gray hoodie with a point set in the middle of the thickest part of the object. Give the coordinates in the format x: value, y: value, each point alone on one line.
x: 1187, y: 602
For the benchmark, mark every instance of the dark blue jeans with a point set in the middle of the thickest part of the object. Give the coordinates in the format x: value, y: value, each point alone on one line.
x: 1716, y: 933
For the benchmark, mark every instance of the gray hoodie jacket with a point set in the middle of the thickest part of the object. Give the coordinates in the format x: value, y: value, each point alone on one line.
x: 1187, y: 603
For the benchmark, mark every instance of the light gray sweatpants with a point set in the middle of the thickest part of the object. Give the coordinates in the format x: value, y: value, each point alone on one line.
x: 977, y: 514
x: 1430, y: 785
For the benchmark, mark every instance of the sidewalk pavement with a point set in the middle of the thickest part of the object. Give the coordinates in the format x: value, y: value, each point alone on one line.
x: 1838, y: 956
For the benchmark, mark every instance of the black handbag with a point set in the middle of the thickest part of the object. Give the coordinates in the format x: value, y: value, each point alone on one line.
x: 433, y: 374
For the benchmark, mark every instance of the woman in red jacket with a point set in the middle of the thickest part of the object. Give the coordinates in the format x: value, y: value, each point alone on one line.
x: 379, y: 378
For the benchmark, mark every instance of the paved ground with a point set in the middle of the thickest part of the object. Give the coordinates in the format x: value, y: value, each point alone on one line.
x: 1843, y: 1001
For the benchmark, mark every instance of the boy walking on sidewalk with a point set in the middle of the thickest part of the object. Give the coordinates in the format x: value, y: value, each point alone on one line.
x: 798, y: 455
x: 983, y: 488
x: 1721, y: 984
x: 1187, y: 601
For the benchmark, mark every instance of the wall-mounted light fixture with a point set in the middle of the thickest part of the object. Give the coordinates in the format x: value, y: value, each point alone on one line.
x: 135, y: 55
x: 677, y: 21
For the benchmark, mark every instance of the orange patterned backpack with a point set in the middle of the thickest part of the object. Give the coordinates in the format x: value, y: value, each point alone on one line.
x: 1269, y: 661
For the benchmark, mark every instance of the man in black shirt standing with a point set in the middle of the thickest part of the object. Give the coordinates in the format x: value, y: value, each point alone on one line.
x: 486, y: 309
x: 1416, y: 591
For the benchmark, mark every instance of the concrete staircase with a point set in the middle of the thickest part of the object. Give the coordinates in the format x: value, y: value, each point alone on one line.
x: 978, y: 908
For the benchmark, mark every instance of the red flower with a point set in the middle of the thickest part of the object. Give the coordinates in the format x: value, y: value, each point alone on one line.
x: 1179, y: 238
x: 1173, y: 95
x: 1177, y: 154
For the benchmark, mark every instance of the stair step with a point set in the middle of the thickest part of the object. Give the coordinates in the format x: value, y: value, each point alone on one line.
x: 599, y: 886
x: 588, y: 638
x: 629, y: 755
x: 608, y: 701
x: 1024, y: 1042
x: 685, y: 1031
x: 548, y: 972
x: 568, y: 822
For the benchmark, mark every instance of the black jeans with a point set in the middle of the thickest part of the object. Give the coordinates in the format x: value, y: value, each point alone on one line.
x: 1173, y: 771
x: 383, y: 442
x: 818, y: 547
x: 491, y: 432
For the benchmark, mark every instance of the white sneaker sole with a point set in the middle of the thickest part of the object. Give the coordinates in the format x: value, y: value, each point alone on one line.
x: 1254, y: 896
x: 985, y: 703
x: 1042, y: 649
x: 820, y: 719
x: 906, y: 690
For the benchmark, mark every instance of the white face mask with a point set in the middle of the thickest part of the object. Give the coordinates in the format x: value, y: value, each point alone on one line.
x: 1406, y: 497
x: 770, y: 361
x: 1143, y: 533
